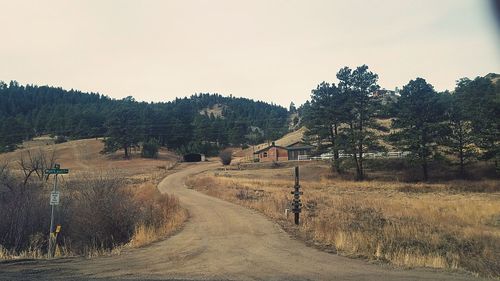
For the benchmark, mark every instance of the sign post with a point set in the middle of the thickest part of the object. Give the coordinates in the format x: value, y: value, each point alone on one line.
x: 296, y: 205
x: 54, y: 201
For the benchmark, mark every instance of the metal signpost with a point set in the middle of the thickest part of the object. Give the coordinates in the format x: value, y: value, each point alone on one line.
x: 54, y: 201
x: 296, y: 205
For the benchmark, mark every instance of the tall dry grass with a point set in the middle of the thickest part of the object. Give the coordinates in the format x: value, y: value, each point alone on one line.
x: 445, y: 225
x: 100, y: 214
x: 161, y: 216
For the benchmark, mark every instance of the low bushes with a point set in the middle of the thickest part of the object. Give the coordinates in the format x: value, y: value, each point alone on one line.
x: 226, y: 156
x: 98, y: 213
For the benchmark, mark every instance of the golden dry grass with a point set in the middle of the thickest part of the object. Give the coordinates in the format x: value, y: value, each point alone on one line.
x: 409, y: 225
x: 81, y: 156
x: 166, y: 216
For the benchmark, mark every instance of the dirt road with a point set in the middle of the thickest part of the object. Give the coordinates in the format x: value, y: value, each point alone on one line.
x: 221, y: 241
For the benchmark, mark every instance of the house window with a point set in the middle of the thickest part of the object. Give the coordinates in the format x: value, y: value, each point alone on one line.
x: 264, y: 154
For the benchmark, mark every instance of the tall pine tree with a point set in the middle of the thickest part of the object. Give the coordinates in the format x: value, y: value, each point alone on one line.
x: 418, y: 125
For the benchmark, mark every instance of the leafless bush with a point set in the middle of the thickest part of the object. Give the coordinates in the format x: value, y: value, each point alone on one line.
x: 98, y: 212
x: 35, y: 163
x: 101, y: 212
x: 243, y: 194
x: 21, y: 206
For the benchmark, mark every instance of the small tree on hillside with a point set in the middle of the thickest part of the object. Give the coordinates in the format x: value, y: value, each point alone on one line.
x: 150, y: 149
x: 123, y: 132
x: 226, y: 156
x: 12, y: 132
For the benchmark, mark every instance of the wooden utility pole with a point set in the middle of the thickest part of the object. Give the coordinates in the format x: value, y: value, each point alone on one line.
x: 296, y: 205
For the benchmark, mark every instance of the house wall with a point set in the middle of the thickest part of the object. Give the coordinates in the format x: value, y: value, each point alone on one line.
x: 274, y: 154
x: 294, y: 154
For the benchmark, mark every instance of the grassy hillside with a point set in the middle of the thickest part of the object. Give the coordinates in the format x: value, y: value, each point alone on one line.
x: 84, y: 155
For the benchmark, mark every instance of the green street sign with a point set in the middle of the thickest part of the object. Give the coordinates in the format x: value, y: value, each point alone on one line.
x: 56, y: 171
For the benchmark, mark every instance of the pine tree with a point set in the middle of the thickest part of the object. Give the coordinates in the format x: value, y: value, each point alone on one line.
x: 481, y: 100
x: 418, y: 125
x: 358, y: 86
x: 324, y: 116
x: 123, y: 131
x: 459, y: 138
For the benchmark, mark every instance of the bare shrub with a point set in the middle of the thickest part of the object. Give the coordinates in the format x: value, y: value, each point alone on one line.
x: 243, y: 194
x: 101, y: 212
x: 98, y: 213
x: 226, y: 156
x: 35, y: 163
x: 107, y: 214
x: 23, y: 213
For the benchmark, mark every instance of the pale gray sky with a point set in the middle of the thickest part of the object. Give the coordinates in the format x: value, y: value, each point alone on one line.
x: 271, y: 50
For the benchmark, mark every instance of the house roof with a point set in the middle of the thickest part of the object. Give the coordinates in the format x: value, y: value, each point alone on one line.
x: 267, y: 148
x: 290, y: 147
x: 298, y: 146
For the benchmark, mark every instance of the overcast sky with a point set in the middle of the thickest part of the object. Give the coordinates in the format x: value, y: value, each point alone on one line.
x: 270, y: 50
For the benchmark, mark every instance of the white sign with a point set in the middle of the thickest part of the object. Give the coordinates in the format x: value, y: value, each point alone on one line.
x: 54, y: 198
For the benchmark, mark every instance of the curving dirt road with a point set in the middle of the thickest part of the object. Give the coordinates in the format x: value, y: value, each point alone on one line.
x: 221, y: 241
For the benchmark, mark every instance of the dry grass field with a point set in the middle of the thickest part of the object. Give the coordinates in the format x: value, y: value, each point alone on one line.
x: 439, y: 225
x: 151, y: 215
x: 84, y: 155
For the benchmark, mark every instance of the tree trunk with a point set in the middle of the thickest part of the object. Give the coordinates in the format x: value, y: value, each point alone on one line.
x: 336, y: 161
x: 462, y: 164
x: 355, y: 155
x: 333, y: 137
x: 126, y: 151
x: 423, y: 155
x: 424, y: 170
x: 354, y: 146
x: 423, y: 159
x: 361, y: 175
x: 461, y: 150
x: 360, y: 147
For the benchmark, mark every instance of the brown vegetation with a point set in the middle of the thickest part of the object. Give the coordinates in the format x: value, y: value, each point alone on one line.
x: 161, y: 215
x: 226, y: 156
x: 100, y: 211
x: 451, y: 225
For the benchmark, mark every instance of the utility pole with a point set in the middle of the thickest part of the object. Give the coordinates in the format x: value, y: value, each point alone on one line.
x: 296, y: 205
x: 54, y: 201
